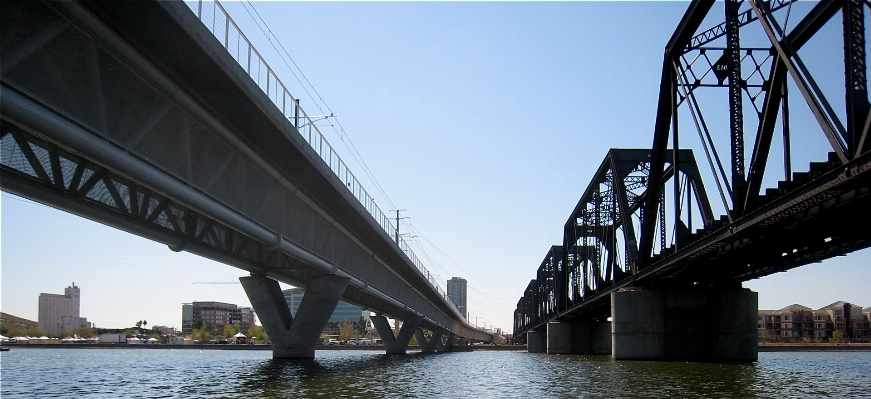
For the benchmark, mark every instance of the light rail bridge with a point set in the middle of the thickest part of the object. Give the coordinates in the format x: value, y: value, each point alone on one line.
x: 160, y: 119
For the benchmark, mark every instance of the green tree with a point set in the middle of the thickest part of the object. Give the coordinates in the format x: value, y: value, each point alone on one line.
x: 24, y: 332
x: 346, y: 330
x: 838, y: 336
x: 230, y: 330
x: 202, y: 334
x: 257, y: 333
x: 83, y: 332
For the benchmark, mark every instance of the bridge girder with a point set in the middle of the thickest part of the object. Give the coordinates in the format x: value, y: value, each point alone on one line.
x: 83, y: 100
x: 761, y: 232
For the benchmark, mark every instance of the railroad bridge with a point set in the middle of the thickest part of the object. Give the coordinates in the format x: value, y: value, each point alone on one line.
x: 646, y: 270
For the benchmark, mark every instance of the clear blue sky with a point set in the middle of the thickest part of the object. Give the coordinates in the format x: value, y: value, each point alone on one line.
x: 485, y: 121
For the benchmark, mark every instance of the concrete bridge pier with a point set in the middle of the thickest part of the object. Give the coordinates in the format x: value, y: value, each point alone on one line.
x: 433, y: 344
x: 536, y: 341
x: 579, y: 337
x: 448, y: 343
x: 399, y: 343
x: 294, y: 338
x: 712, y: 325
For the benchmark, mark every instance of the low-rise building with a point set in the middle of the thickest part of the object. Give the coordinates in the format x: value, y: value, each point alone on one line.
x: 216, y: 314
x: 793, y: 321
x: 798, y: 321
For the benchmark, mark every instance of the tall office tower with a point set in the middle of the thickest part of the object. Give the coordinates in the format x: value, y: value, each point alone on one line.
x: 457, y: 293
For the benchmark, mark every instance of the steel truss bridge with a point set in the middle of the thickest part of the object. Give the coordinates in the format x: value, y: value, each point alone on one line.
x: 646, y: 219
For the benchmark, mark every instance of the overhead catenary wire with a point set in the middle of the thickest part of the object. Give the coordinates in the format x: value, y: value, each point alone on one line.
x: 324, y: 108
x: 343, y: 135
x: 466, y: 272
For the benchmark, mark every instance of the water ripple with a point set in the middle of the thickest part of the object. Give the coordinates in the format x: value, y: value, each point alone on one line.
x: 151, y: 374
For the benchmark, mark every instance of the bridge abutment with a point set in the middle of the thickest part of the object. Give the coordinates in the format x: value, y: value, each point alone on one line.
x: 294, y: 338
x: 715, y: 325
x: 399, y: 343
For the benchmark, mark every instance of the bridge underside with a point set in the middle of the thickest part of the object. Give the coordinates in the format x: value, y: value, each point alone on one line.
x: 632, y: 230
x: 103, y: 118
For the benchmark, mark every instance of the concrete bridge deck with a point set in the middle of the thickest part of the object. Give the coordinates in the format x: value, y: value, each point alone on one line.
x: 134, y: 115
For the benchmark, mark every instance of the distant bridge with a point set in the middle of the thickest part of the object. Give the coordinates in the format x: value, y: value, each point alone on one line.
x: 163, y: 121
x: 645, y: 270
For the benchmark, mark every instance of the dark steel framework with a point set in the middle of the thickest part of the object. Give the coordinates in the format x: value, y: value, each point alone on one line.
x: 628, y: 231
x: 85, y: 187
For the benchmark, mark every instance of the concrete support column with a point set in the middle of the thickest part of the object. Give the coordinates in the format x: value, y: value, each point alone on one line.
x: 735, y: 326
x: 294, y: 338
x: 536, y: 342
x: 559, y: 337
x: 398, y: 344
x: 448, y: 343
x: 600, y: 338
x: 714, y: 325
x: 432, y: 344
x: 637, y: 324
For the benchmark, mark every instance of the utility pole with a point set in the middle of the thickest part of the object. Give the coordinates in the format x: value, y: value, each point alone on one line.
x: 397, y: 223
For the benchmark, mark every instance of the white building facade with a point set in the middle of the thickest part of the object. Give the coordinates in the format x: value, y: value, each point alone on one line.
x: 60, y: 313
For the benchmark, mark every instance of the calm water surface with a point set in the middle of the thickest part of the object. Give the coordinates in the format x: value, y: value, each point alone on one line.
x: 141, y: 373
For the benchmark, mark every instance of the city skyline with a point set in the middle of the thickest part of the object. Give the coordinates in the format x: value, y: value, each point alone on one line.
x: 486, y: 132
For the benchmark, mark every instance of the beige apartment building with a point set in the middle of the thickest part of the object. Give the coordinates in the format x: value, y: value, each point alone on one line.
x: 798, y: 321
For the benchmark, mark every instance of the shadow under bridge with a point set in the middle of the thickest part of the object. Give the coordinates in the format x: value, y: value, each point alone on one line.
x: 167, y: 134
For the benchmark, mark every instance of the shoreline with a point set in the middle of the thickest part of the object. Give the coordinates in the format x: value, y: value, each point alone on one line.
x: 802, y: 347
x: 770, y: 347
x: 476, y: 348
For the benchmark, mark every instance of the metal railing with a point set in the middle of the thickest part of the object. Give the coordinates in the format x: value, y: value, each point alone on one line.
x: 218, y: 21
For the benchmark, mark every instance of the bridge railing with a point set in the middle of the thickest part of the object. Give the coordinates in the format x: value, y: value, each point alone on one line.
x: 218, y: 21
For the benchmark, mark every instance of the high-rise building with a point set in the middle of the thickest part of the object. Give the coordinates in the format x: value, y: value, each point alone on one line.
x: 457, y: 294
x: 60, y: 313
x: 343, y: 312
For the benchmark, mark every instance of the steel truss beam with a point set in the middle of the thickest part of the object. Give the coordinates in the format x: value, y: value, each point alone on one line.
x: 43, y: 171
x: 39, y: 169
x: 773, y: 103
x: 599, y: 246
x: 681, y: 37
x: 753, y: 241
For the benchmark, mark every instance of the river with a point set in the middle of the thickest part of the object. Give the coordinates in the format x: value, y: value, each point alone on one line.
x: 129, y: 373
